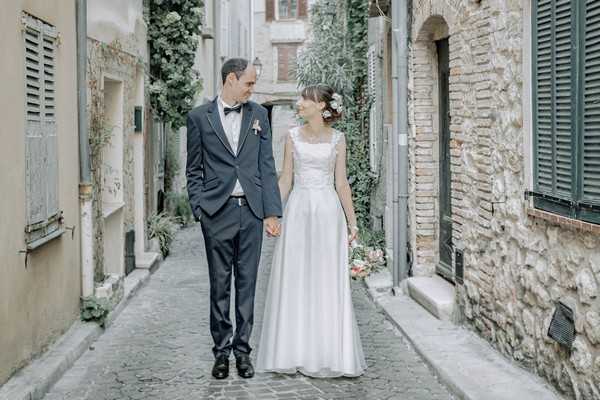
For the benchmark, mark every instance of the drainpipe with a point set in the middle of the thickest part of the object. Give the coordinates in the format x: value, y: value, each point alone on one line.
x: 216, y: 11
x: 85, y: 181
x: 400, y: 140
x: 252, y: 52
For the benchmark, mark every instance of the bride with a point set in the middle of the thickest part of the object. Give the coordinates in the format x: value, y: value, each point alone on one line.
x: 309, y: 324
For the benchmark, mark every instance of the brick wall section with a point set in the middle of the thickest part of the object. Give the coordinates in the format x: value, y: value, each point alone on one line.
x: 423, y: 155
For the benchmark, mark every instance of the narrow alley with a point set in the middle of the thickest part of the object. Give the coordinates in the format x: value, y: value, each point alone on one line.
x: 159, y: 347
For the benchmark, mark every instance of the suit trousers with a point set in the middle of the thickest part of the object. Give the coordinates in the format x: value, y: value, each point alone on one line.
x: 233, y: 240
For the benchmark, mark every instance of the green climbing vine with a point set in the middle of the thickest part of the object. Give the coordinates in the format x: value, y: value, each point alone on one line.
x: 337, y: 56
x: 173, y: 32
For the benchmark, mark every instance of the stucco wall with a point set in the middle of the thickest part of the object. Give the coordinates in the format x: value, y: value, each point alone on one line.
x: 121, y: 20
x: 117, y: 49
x: 40, y: 301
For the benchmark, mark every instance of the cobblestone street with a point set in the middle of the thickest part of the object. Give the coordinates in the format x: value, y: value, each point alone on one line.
x: 159, y: 347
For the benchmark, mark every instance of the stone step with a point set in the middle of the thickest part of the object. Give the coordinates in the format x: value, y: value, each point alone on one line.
x: 433, y: 293
x: 148, y: 260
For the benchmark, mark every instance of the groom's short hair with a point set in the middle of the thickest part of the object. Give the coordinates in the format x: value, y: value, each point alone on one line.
x: 235, y: 65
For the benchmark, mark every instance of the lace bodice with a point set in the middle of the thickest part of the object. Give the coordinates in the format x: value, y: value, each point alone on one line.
x: 314, y: 163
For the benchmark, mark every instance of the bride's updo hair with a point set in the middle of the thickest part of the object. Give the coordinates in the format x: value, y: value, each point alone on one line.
x: 324, y: 93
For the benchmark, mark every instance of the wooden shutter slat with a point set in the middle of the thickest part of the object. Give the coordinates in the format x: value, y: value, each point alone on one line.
x: 270, y: 10
x: 554, y: 123
x: 40, y: 126
x: 302, y: 8
x: 36, y: 180
x: 282, y: 63
x: 51, y: 168
x: 33, y: 71
x: 371, y: 78
x: 35, y: 146
x: 590, y: 160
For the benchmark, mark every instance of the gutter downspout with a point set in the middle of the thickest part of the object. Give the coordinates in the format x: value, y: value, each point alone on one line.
x: 85, y: 181
x: 400, y: 140
x: 216, y: 11
x: 252, y: 52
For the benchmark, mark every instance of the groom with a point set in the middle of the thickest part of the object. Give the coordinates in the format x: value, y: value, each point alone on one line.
x: 232, y: 187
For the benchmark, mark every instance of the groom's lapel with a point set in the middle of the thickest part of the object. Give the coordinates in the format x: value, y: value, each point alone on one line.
x: 215, y: 122
x: 248, y: 113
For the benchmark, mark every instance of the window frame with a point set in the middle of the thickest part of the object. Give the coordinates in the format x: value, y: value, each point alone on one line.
x: 290, y: 8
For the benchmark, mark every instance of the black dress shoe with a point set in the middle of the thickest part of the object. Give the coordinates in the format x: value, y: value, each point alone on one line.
x: 244, y: 366
x: 221, y: 368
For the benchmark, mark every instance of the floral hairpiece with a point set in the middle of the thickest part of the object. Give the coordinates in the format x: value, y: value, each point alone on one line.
x: 336, y: 103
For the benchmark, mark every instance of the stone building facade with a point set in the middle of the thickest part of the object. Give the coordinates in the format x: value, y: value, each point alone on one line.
x: 471, y: 173
x: 281, y: 28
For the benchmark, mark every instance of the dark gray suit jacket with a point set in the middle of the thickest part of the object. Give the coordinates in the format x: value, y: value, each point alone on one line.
x: 213, y: 167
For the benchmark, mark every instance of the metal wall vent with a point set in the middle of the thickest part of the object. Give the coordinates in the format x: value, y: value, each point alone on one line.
x: 562, y: 325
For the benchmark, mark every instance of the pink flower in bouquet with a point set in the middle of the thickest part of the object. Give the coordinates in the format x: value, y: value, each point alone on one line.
x: 357, y: 268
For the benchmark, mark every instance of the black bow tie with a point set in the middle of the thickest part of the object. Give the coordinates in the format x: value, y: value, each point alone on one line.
x: 236, y: 109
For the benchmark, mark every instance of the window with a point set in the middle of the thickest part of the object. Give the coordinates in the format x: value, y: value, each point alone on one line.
x: 39, y: 50
x: 286, y: 62
x: 566, y: 107
x: 286, y: 9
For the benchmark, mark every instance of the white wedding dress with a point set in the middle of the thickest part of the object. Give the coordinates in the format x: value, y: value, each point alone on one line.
x: 309, y: 324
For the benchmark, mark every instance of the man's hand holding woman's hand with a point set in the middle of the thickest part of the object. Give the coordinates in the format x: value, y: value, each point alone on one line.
x: 273, y: 226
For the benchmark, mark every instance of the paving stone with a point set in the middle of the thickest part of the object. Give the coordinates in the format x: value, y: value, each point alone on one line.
x: 160, y: 347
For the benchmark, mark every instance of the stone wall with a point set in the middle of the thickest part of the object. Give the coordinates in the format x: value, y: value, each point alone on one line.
x: 518, y: 262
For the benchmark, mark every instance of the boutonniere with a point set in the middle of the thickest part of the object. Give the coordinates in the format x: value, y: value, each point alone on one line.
x: 256, y: 127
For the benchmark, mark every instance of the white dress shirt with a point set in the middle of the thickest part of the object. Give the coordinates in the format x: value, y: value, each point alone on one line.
x: 232, y: 124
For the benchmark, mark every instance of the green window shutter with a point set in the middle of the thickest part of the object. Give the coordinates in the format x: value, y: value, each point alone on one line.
x: 590, y: 149
x: 554, y: 105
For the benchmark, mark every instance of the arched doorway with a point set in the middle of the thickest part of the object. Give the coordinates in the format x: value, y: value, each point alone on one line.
x: 431, y: 205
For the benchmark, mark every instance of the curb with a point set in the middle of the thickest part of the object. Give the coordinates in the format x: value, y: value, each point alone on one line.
x: 466, y: 364
x: 36, y: 379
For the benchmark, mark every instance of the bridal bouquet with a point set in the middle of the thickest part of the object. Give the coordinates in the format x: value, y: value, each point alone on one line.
x: 364, y: 260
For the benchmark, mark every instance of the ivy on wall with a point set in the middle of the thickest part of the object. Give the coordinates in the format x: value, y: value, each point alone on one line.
x: 173, y: 32
x: 337, y: 56
x: 103, y: 57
